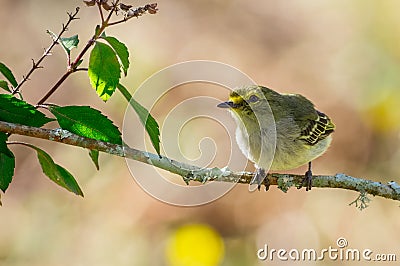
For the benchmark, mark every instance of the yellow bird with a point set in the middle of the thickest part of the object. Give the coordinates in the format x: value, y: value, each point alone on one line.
x: 278, y: 131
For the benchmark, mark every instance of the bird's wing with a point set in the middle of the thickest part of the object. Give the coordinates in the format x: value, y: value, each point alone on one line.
x: 314, y: 125
x: 317, y: 129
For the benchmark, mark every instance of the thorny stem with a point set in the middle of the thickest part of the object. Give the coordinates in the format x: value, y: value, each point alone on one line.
x: 73, y: 66
x: 391, y: 190
x: 71, y: 69
x: 105, y: 23
x: 47, y: 52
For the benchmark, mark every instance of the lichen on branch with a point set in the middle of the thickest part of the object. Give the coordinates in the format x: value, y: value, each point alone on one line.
x: 391, y: 190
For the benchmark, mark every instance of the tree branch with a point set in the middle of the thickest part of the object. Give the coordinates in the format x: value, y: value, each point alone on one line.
x: 136, y: 12
x: 391, y: 190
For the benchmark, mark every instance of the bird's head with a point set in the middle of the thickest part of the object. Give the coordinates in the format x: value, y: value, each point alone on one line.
x: 250, y: 101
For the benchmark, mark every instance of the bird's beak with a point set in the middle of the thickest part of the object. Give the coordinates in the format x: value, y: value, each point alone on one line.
x: 226, y: 105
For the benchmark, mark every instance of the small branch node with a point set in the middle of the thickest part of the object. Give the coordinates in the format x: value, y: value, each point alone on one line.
x: 362, y: 201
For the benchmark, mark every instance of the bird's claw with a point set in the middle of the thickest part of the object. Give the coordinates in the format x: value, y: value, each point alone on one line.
x: 188, y: 178
x: 258, y: 178
x: 307, y: 180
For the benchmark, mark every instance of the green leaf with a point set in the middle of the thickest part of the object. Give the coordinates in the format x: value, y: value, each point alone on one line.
x: 3, y: 145
x: 94, y: 155
x: 55, y: 172
x: 104, y: 70
x: 67, y: 43
x: 145, y: 117
x: 7, y: 163
x: 149, y: 122
x: 8, y: 74
x: 14, y: 110
x: 4, y: 85
x: 87, y: 122
x: 121, y: 51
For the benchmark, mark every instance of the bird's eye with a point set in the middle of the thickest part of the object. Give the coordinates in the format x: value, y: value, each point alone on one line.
x: 253, y: 99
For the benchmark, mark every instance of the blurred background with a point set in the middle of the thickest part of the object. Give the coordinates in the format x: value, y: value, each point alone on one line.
x: 342, y: 55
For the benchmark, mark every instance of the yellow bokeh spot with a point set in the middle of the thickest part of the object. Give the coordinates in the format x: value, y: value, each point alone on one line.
x: 384, y: 115
x: 195, y: 245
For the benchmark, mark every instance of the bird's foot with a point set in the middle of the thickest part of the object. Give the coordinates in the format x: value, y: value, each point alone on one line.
x: 258, y: 178
x: 307, y: 180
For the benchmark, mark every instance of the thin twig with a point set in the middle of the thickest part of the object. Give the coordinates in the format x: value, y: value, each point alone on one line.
x: 98, y: 33
x: 47, y: 52
x: 101, y: 12
x: 137, y: 12
x: 72, y: 67
x: 114, y: 8
x: 390, y: 190
x: 82, y: 69
x: 55, y: 87
x: 151, y: 8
